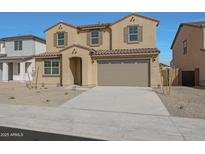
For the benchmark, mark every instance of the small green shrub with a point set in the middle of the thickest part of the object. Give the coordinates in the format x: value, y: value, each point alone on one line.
x: 11, y: 97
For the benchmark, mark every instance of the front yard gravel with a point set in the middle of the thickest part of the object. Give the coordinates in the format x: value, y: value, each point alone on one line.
x: 184, y: 101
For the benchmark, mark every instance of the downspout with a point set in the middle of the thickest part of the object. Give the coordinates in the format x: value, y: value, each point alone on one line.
x: 61, y: 71
x: 203, y: 38
x: 110, y: 31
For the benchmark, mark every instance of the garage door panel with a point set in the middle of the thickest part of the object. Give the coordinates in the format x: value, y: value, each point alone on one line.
x: 188, y: 78
x: 123, y: 72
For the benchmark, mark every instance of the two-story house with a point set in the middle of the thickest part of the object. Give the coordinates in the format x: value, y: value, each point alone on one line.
x: 17, y: 60
x: 188, y: 50
x: 120, y: 53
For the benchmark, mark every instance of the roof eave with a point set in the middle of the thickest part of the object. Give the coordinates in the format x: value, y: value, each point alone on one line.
x: 176, y: 36
x: 47, y: 56
x: 138, y: 15
x: 179, y: 28
x: 70, y: 25
x: 92, y: 28
x: 24, y: 37
x: 123, y: 55
x: 78, y: 46
x: 5, y: 59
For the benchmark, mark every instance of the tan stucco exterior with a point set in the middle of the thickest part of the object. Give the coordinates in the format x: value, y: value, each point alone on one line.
x: 195, y: 57
x: 40, y: 78
x: 149, y: 33
x: 112, y: 38
x: 82, y: 40
x: 88, y: 66
x: 72, y: 37
x: 155, y: 71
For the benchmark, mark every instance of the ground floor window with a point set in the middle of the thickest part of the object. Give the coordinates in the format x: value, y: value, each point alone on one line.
x: 51, y: 66
x: 19, y: 67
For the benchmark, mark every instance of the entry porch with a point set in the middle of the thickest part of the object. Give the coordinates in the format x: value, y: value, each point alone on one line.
x: 16, y: 68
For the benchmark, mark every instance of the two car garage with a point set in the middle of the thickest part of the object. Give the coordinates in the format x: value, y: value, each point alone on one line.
x: 126, y: 72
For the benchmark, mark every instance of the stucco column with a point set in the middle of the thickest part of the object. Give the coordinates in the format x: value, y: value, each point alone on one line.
x: 5, y: 72
x: 85, y: 69
x: 22, y: 71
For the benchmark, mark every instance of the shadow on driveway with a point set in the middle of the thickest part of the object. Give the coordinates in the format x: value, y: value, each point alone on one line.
x: 15, y: 134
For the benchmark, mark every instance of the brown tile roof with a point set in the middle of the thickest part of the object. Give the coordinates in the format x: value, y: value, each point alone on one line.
x: 101, y: 53
x: 200, y: 24
x: 48, y: 55
x: 52, y: 54
x: 79, y: 46
x: 15, y: 58
x: 125, y: 52
x: 94, y: 25
x: 102, y: 25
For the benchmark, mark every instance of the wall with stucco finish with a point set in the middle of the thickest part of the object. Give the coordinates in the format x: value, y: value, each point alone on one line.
x: 195, y: 56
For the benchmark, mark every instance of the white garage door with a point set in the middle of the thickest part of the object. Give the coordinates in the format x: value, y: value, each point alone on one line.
x: 123, y: 72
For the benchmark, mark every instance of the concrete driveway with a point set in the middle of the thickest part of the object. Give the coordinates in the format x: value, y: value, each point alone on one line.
x: 107, y: 113
x: 133, y: 100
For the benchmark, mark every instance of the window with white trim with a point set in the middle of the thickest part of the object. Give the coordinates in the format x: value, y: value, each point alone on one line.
x: 132, y: 34
x: 94, y: 38
x: 51, y: 66
x: 18, y: 45
x: 60, y: 38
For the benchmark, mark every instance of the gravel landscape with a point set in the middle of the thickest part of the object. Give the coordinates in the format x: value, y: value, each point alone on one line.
x: 51, y: 96
x: 184, y: 101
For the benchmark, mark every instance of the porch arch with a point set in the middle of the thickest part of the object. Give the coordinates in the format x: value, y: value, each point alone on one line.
x: 76, y: 69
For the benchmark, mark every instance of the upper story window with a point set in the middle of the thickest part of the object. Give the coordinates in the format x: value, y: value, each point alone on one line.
x: 61, y: 39
x: 94, y: 38
x: 132, y: 34
x: 185, y: 47
x: 18, y: 45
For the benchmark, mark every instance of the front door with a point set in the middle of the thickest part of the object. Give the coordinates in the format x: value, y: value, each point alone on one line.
x: 10, y: 72
x: 76, y: 69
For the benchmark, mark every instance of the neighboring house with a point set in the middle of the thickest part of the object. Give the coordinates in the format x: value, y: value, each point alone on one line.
x: 119, y: 53
x: 189, y: 53
x: 164, y: 66
x: 16, y: 56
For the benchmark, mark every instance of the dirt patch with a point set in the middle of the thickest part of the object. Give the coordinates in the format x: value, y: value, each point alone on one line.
x: 12, y: 84
x: 44, y: 96
x: 184, y: 101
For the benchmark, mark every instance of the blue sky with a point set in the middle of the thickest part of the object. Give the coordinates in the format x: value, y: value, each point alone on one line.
x: 36, y: 23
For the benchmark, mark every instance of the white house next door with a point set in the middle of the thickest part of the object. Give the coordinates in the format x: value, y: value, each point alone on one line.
x: 1, y: 71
